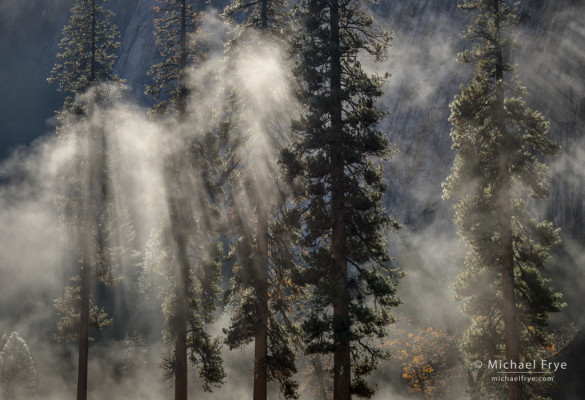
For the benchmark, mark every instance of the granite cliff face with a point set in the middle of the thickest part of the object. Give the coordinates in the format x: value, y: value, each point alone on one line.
x: 425, y: 77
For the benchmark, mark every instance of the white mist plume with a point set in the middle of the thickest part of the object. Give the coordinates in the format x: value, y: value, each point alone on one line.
x: 35, y: 260
x: 32, y: 252
x: 36, y: 254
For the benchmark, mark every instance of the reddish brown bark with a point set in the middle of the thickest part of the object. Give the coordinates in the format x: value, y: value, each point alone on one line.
x: 341, y: 356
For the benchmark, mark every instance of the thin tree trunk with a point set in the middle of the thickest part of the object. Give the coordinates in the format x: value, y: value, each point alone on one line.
x: 181, y: 276
x: 341, y: 327
x: 511, y: 332
x: 88, y: 245
x: 260, y: 337
x: 84, y: 322
x: 93, y: 44
x: 261, y: 283
x: 181, y: 293
x: 264, y: 15
x: 183, y: 91
x: 179, y: 232
x: 88, y: 251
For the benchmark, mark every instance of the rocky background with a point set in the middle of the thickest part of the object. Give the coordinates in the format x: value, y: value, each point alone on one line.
x: 424, y: 78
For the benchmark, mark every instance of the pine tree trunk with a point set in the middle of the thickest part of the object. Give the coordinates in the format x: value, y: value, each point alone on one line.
x: 82, y: 367
x: 182, y: 295
x: 84, y: 323
x: 183, y: 91
x: 93, y: 44
x: 341, y: 355
x: 180, y: 355
x: 181, y: 277
x: 511, y: 336
x: 87, y: 248
x: 260, y: 337
x: 261, y: 334
x: 179, y: 232
x: 264, y: 16
x: 511, y: 333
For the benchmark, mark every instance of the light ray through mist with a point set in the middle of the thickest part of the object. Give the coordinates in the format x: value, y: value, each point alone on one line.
x: 37, y: 255
x: 35, y: 178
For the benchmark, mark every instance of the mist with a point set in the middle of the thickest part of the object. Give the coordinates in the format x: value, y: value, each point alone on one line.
x: 38, y: 246
x: 38, y: 255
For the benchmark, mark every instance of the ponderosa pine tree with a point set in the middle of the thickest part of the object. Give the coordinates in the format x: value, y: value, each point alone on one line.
x: 191, y: 258
x: 87, y: 60
x: 335, y: 161
x: 174, y: 29
x: 89, y: 48
x: 263, y: 301
x: 261, y: 293
x: 500, y: 143
x: 17, y: 369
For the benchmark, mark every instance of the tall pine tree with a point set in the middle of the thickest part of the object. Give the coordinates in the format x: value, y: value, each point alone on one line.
x: 261, y: 292
x: 335, y: 160
x: 87, y: 60
x: 498, y: 168
x: 177, y: 22
x: 190, y: 249
x: 89, y: 48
